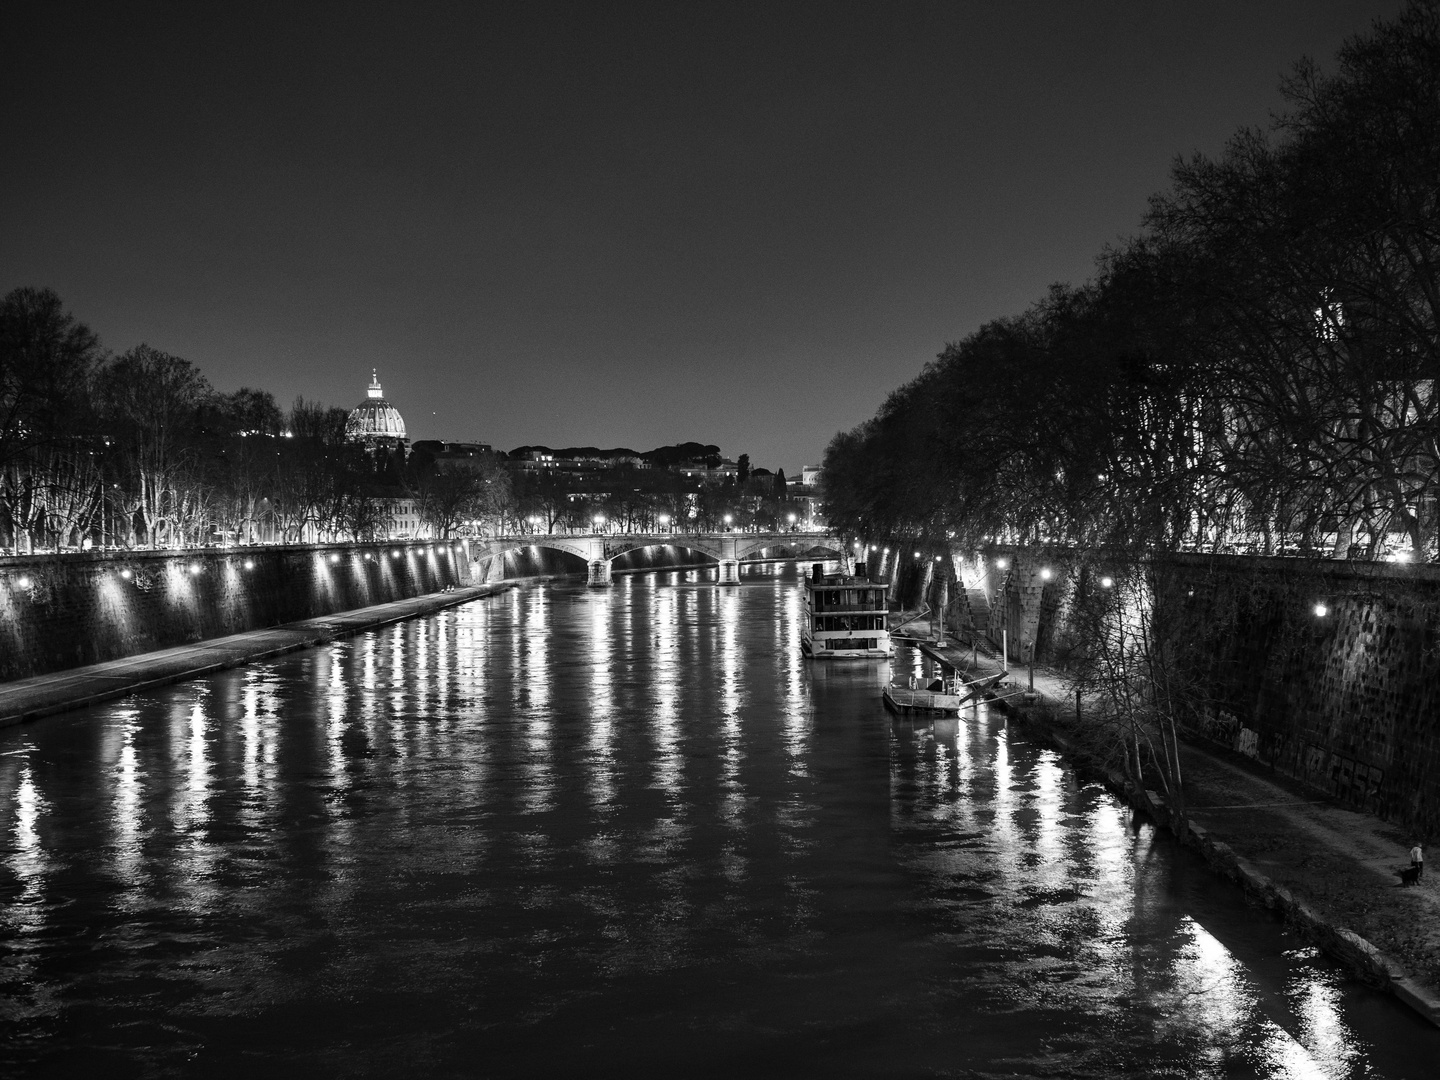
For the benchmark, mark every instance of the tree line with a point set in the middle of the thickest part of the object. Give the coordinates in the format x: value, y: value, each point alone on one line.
x: 1254, y: 371
x: 99, y: 450
x: 140, y: 450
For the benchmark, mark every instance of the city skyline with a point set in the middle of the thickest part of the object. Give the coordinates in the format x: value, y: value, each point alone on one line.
x: 631, y: 227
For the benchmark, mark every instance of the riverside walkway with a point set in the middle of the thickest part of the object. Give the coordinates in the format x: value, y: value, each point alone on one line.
x: 1330, y: 869
x: 43, y: 695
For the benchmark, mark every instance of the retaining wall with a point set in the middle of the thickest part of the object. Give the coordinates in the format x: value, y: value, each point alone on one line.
x: 1347, y: 701
x: 63, y: 611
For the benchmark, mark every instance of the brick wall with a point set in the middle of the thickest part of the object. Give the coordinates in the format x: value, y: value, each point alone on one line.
x: 63, y: 611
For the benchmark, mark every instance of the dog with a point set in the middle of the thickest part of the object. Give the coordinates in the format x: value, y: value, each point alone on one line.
x: 1410, y: 875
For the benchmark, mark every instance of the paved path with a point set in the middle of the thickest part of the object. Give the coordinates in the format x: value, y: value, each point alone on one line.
x: 1340, y: 862
x: 42, y: 695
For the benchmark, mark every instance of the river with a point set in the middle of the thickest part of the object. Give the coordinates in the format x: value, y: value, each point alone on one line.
x: 578, y: 832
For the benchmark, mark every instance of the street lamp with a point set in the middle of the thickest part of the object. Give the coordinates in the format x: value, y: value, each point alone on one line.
x: 664, y: 520
x: 792, y: 522
x: 728, y: 519
x: 599, y: 520
x: 1107, y: 582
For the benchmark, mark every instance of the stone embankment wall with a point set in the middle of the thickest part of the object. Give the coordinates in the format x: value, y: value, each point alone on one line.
x: 63, y: 611
x: 1347, y: 701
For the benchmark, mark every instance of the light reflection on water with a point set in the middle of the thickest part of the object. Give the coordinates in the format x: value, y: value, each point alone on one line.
x: 568, y: 829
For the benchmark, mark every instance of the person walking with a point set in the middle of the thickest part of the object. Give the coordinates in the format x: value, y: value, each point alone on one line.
x: 1417, y: 860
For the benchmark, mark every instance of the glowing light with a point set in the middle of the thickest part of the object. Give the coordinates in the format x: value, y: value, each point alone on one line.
x: 23, y: 581
x: 1046, y: 573
x: 917, y: 555
x: 1107, y: 582
x: 1321, y: 611
x: 1002, y: 563
x: 249, y: 564
x: 126, y: 574
x: 395, y: 554
x: 334, y: 558
x: 937, y: 558
x: 195, y: 569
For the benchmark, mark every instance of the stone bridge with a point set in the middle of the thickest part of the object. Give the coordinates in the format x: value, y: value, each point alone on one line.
x: 726, y: 548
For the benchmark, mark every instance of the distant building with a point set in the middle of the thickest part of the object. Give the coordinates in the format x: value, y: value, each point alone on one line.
x: 375, y: 422
x: 464, y: 455
x: 405, y: 520
x: 709, y: 473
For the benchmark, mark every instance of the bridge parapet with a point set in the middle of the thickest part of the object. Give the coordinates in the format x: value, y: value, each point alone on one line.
x: 726, y: 548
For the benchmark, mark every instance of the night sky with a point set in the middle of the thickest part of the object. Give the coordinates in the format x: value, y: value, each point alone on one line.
x: 610, y: 224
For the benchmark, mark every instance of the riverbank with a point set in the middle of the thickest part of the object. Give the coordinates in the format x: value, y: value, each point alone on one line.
x: 1330, y: 870
x: 44, y: 695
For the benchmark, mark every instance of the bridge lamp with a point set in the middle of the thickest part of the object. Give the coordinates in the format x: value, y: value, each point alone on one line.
x: 729, y: 518
x: 194, y: 569
x: 664, y: 520
x: 249, y: 564
x: 937, y: 558
x: 792, y: 519
x: 1046, y: 574
x: 917, y: 555
x: 1321, y: 611
x: 23, y: 582
x: 1107, y: 582
x: 1002, y: 563
x: 334, y: 558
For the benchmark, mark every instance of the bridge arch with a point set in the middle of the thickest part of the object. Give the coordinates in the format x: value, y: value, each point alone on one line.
x: 598, y: 550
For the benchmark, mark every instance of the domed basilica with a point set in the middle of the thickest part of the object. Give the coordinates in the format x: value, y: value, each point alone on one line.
x: 375, y: 422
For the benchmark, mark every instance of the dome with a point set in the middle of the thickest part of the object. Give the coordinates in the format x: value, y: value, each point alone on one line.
x: 375, y: 419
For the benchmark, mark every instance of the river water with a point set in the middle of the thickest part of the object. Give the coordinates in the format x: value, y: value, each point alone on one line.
x: 578, y: 832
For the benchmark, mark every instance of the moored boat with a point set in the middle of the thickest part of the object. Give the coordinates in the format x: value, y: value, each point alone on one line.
x: 945, y: 697
x: 845, y: 617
